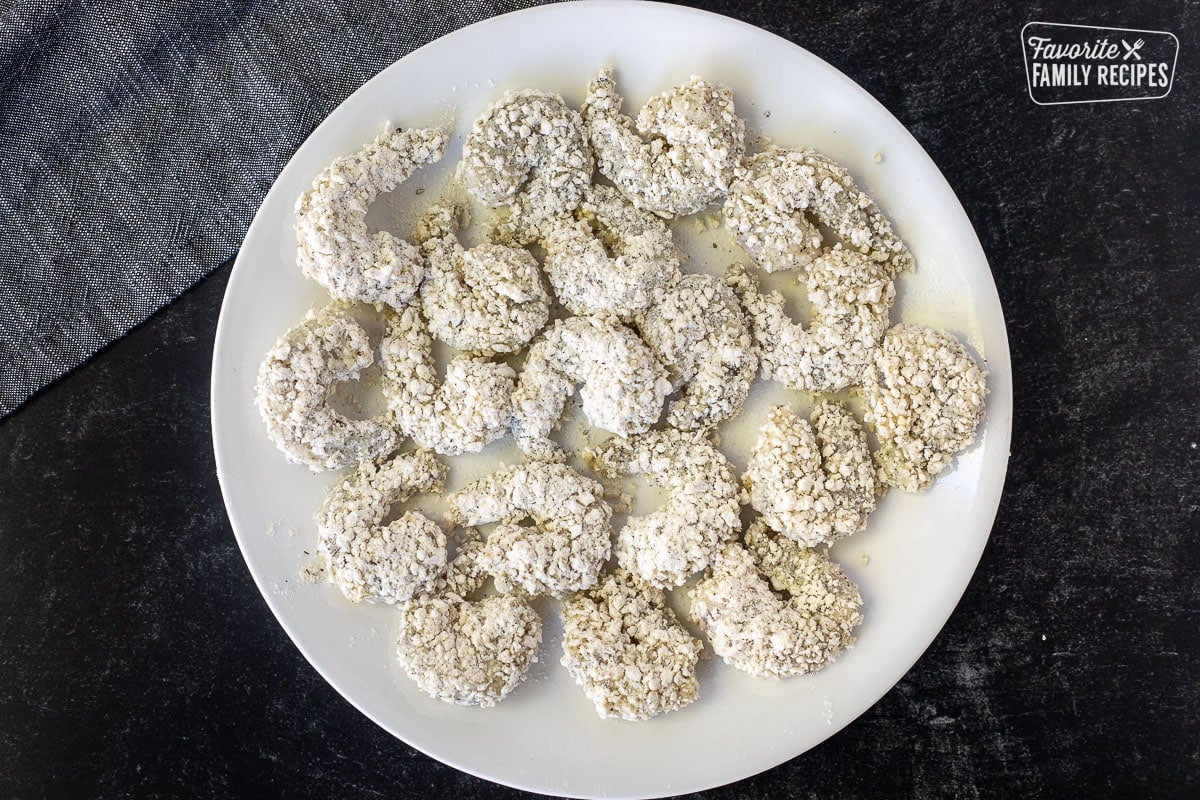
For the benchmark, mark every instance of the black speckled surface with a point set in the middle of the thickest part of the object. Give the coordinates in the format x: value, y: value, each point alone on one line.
x: 137, y: 659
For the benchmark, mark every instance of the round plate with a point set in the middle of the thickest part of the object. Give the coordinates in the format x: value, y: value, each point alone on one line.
x: 913, y: 561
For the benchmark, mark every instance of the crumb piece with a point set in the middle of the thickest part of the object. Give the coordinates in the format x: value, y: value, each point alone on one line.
x: 315, y: 571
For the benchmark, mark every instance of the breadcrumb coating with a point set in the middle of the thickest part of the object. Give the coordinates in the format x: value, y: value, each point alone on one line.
x: 756, y: 630
x: 622, y: 385
x: 642, y: 335
x: 626, y: 649
x: 294, y: 385
x: 462, y: 651
x: 851, y: 299
x: 373, y: 562
x: 667, y: 546
x: 570, y: 538
x: 813, y: 483
x: 701, y: 334
x: 528, y: 151
x: 485, y: 300
x: 333, y: 245
x: 693, y: 142
x: 470, y: 409
x: 609, y: 257
x: 925, y: 397
x: 779, y: 195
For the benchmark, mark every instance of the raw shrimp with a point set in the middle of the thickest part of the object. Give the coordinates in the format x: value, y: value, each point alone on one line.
x: 371, y: 561
x: 812, y: 483
x: 779, y: 195
x: 623, y: 385
x: 570, y: 538
x: 294, y: 385
x: 925, y: 397
x: 463, y: 651
x: 626, y: 649
x: 486, y: 300
x: 755, y: 630
x: 527, y: 151
x: 701, y: 334
x: 333, y: 246
x: 667, y: 546
x: 472, y: 407
x: 694, y: 141
x: 851, y: 297
x: 609, y: 257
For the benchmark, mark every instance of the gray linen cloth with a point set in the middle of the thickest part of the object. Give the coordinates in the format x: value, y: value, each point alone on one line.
x: 137, y: 139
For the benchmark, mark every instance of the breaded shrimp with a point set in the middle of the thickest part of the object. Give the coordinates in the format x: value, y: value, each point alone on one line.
x: 570, y: 538
x: 463, y: 651
x: 667, y: 546
x: 851, y: 298
x: 373, y: 562
x: 528, y: 151
x: 779, y: 195
x: 333, y: 246
x: 294, y: 385
x: 693, y: 142
x: 609, y: 257
x: 755, y: 630
x: 626, y: 649
x: 485, y: 300
x: 471, y: 408
x: 623, y: 385
x: 701, y: 334
x: 925, y: 397
x: 813, y: 483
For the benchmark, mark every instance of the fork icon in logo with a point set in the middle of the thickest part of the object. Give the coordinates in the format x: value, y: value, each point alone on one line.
x: 1132, y: 50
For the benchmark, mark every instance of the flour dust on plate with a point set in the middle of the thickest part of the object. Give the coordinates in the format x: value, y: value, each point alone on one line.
x: 910, y: 564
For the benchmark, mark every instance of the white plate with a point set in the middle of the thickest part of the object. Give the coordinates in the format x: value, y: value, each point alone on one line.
x: 920, y: 551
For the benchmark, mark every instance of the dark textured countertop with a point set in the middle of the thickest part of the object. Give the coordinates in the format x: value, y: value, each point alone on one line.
x: 137, y: 658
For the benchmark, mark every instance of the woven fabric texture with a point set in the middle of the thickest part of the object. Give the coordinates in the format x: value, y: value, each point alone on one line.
x: 138, y: 139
